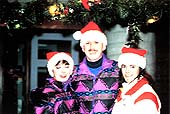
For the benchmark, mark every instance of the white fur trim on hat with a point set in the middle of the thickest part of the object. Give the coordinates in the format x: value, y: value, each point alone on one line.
x: 91, y: 35
x: 57, y: 57
x: 132, y: 59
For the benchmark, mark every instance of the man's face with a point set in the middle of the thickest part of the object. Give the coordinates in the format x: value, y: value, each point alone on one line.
x: 93, y: 50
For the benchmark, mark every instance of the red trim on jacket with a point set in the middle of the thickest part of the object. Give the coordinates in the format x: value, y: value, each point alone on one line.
x: 119, y: 96
x: 145, y: 95
x: 133, y: 89
x: 137, y: 86
x: 148, y: 95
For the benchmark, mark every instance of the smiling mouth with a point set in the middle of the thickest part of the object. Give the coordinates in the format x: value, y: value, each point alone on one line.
x: 63, y: 76
x: 128, y: 76
x: 92, y: 52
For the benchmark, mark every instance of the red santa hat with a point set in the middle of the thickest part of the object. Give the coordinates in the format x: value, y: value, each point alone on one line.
x: 132, y: 56
x: 91, y: 32
x: 54, y: 57
x: 85, y: 4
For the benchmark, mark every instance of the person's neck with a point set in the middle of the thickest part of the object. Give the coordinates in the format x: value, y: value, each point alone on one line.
x: 95, y: 64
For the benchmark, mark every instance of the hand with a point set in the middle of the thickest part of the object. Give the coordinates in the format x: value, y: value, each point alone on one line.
x: 38, y: 98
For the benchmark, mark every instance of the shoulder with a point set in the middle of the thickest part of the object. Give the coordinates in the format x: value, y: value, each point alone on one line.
x: 76, y: 68
x: 147, y: 95
x: 115, y: 63
x: 110, y: 61
x: 148, y: 100
x: 111, y: 64
x: 147, y: 88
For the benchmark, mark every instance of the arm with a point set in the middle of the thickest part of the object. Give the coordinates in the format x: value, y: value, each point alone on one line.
x: 146, y: 106
x: 40, y: 101
x: 38, y: 98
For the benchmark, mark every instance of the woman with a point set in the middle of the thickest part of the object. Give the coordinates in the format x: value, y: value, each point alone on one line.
x: 57, y: 96
x: 136, y: 96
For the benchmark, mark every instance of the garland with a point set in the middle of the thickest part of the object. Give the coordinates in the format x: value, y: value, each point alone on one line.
x: 106, y: 13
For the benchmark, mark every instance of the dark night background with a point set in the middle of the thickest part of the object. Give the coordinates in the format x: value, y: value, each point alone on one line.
x: 9, y: 41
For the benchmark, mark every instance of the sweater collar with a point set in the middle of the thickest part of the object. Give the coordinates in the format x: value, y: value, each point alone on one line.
x: 95, y: 64
x: 106, y: 63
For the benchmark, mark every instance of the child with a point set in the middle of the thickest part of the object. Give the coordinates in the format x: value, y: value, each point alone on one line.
x: 57, y: 96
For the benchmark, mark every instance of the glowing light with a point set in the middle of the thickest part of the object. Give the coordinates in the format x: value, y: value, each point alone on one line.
x: 153, y: 19
x: 52, y: 9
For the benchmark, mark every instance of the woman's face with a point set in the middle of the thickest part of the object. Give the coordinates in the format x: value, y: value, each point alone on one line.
x: 93, y: 50
x: 62, y: 72
x: 130, y: 72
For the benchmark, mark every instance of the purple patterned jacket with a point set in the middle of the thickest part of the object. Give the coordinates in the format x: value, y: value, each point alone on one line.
x: 96, y: 93
x: 54, y: 99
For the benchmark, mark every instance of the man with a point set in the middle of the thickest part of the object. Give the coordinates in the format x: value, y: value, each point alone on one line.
x: 95, y: 80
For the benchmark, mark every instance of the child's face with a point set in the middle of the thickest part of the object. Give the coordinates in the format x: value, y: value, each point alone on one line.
x: 62, y: 71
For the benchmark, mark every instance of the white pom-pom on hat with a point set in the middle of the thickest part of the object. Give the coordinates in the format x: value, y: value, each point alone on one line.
x: 77, y: 35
